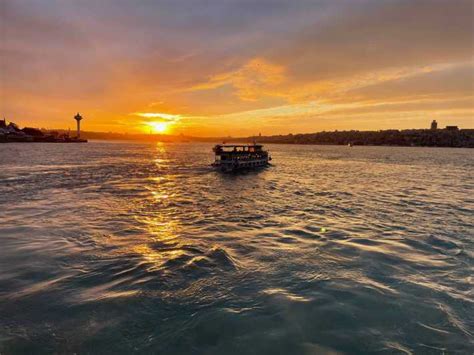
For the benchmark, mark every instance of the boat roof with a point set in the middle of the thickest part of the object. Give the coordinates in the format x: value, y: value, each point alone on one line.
x: 238, y: 145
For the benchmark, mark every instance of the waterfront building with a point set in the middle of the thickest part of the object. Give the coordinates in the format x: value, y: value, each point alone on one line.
x: 452, y: 128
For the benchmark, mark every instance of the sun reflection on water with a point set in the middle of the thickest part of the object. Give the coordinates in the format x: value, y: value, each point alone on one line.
x: 161, y: 243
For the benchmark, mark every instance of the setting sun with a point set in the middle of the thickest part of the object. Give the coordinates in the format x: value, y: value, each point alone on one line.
x: 158, y: 127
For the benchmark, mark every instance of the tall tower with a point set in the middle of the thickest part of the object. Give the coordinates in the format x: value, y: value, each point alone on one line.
x: 78, y: 119
x: 434, y: 125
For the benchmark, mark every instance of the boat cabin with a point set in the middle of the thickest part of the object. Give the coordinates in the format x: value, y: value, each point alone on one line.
x: 231, y: 157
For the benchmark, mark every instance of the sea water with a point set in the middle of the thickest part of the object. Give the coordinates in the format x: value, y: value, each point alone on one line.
x: 127, y: 247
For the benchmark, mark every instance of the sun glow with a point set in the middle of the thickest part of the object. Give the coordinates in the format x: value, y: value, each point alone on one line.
x: 163, y: 123
x: 158, y: 127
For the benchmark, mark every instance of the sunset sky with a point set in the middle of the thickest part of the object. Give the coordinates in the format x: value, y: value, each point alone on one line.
x: 222, y: 67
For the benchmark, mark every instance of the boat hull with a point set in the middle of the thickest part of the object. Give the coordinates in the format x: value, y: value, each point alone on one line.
x: 233, y: 166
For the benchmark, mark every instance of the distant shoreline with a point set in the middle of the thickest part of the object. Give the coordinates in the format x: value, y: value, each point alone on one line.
x: 262, y: 140
x: 450, y: 137
x: 455, y: 138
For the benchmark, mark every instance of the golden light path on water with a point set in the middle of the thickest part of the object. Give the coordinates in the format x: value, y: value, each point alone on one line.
x: 159, y: 227
x: 128, y: 247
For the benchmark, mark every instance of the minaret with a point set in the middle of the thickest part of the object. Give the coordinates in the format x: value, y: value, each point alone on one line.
x: 78, y: 118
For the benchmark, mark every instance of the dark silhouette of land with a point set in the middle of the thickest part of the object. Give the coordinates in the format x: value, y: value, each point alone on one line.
x: 412, y: 137
x: 11, y: 133
x: 450, y: 136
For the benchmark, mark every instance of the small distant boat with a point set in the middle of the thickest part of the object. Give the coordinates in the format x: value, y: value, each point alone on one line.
x: 350, y: 144
x: 230, y: 157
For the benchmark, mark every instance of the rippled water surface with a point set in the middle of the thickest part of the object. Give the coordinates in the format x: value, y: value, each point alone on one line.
x: 124, y: 247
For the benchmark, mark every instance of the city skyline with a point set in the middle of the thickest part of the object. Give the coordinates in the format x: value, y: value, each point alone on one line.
x: 237, y: 68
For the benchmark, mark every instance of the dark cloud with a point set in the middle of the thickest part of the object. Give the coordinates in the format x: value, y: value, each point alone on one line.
x: 386, y: 34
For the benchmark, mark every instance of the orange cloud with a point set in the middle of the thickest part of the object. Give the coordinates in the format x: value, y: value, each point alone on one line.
x: 158, y: 115
x: 252, y: 81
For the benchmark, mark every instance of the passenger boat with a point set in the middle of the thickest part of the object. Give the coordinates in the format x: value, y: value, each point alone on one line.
x: 230, y: 157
